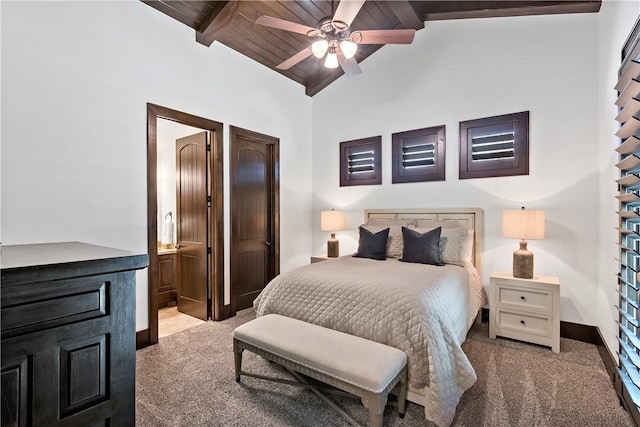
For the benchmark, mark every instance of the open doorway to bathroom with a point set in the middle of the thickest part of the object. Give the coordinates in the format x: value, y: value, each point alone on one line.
x: 185, y: 220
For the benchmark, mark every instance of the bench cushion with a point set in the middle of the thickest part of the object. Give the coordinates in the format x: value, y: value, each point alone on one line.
x: 363, y: 363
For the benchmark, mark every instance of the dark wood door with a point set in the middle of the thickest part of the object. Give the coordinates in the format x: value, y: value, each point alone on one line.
x: 254, y: 236
x: 192, y: 224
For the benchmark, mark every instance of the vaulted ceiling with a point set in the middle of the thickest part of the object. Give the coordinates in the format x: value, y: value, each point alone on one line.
x: 232, y: 23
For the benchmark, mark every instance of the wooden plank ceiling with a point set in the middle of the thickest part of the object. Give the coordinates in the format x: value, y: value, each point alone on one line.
x: 232, y: 24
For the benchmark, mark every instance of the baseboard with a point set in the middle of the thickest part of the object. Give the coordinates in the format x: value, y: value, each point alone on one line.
x: 606, y: 356
x: 578, y: 332
x: 226, y: 311
x: 142, y: 339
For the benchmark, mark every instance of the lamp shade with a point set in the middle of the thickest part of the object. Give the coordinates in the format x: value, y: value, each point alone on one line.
x: 523, y: 224
x: 319, y: 48
x: 348, y: 48
x: 333, y: 220
x: 331, y: 61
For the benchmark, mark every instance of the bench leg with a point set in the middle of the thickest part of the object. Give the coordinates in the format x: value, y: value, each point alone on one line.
x: 376, y: 404
x: 402, y: 393
x: 237, y: 358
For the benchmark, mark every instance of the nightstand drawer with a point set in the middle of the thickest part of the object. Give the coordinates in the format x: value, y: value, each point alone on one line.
x: 525, y: 298
x: 525, y: 323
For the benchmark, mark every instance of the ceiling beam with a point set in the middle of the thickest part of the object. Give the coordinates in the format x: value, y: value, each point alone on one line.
x: 222, y: 15
x: 406, y: 14
x: 496, y: 9
x: 169, y: 10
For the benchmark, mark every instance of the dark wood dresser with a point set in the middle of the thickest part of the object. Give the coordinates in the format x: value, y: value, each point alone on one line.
x: 68, y: 334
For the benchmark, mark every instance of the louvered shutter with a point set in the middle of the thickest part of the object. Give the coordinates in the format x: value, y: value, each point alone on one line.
x: 418, y: 155
x: 628, y: 288
x: 360, y: 162
x: 495, y: 146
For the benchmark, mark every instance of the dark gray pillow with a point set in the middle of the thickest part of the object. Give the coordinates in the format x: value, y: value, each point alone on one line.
x: 421, y: 248
x: 372, y: 245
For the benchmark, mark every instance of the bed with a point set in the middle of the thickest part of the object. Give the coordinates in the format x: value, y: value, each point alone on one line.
x: 424, y: 310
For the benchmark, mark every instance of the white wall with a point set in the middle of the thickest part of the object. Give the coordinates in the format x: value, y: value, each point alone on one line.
x: 76, y: 78
x: 467, y: 69
x: 615, y: 21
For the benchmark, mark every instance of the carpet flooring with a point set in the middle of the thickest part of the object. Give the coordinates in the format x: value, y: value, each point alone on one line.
x: 187, y: 379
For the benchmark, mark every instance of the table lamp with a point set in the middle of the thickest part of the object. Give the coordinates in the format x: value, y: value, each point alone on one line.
x: 333, y: 221
x: 524, y: 225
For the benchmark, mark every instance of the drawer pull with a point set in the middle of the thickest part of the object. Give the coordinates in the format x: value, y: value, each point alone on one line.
x: 522, y: 297
x: 522, y: 322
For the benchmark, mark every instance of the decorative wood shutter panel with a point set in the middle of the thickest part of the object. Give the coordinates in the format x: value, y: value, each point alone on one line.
x: 495, y: 146
x: 628, y: 286
x: 418, y: 155
x: 360, y: 162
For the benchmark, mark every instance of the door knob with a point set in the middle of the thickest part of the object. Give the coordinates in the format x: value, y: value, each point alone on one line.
x: 178, y: 246
x: 267, y: 243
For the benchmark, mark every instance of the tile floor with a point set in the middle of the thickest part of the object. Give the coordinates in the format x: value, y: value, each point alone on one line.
x: 170, y: 321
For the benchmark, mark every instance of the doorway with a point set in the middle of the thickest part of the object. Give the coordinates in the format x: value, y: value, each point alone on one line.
x: 255, y: 215
x: 209, y: 267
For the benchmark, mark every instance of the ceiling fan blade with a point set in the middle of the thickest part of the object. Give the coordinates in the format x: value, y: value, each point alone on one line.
x: 303, y: 54
x: 383, y: 36
x: 281, y: 24
x: 347, y: 10
x: 349, y: 66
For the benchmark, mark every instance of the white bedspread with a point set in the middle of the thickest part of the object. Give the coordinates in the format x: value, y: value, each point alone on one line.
x: 423, y: 310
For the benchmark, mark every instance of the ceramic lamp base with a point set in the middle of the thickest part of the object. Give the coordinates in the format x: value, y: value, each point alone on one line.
x: 333, y: 247
x: 523, y: 262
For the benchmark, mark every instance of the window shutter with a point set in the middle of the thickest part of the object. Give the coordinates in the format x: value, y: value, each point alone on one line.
x: 495, y: 146
x: 360, y: 162
x: 418, y: 155
x: 628, y: 286
x: 496, y: 142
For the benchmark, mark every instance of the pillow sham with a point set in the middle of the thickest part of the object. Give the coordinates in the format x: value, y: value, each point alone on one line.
x: 394, y: 243
x: 423, y: 248
x: 372, y: 245
x: 451, y: 243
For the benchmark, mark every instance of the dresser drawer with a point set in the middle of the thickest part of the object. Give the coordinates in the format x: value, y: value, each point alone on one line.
x: 51, y: 304
x: 525, y: 298
x: 524, y: 323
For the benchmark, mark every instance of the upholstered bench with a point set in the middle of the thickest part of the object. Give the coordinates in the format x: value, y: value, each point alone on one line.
x: 364, y: 368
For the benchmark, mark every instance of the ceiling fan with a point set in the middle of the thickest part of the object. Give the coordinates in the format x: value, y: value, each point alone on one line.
x: 334, y: 39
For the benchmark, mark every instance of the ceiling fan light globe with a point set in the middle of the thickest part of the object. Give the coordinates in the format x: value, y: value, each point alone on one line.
x: 319, y: 48
x: 348, y: 48
x: 331, y: 61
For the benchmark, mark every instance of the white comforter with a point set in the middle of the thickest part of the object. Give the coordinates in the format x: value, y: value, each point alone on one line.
x: 423, y: 310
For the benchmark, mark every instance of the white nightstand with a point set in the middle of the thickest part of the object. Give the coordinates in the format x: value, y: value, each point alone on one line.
x: 525, y: 309
x: 318, y: 258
